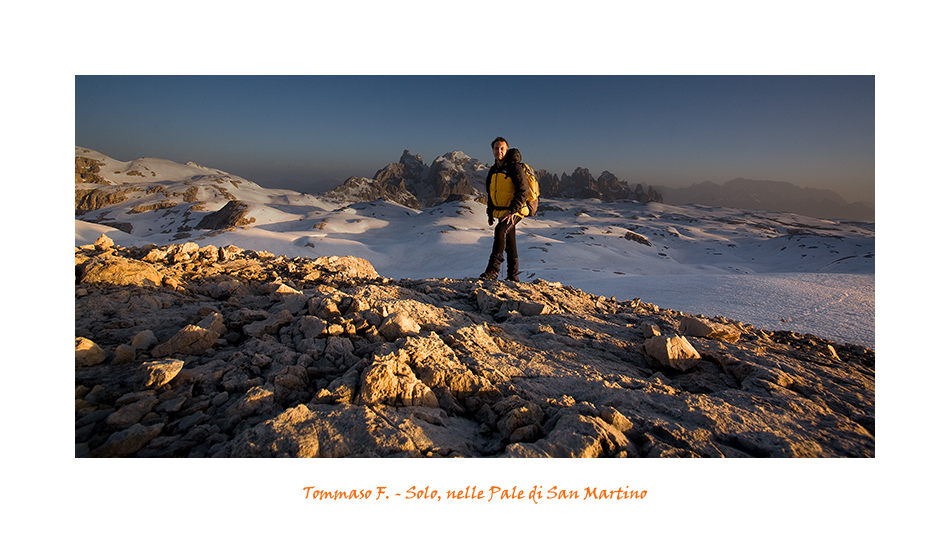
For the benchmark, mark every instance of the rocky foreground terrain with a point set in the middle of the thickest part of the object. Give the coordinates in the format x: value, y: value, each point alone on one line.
x: 184, y: 351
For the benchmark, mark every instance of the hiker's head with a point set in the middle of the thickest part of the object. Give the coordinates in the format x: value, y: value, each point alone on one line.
x: 499, y: 147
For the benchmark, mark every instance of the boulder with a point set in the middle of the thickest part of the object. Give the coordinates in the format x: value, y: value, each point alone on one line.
x: 190, y: 340
x: 672, y: 351
x: 524, y: 308
x: 123, y: 354
x: 650, y: 329
x: 144, y: 340
x: 257, y: 400
x: 311, y: 326
x: 132, y: 413
x: 154, y: 374
x: 120, y: 271
x: 829, y: 351
x: 229, y: 216
x: 398, y: 325
x: 88, y: 353
x: 700, y: 327
x: 128, y: 441
x: 214, y: 323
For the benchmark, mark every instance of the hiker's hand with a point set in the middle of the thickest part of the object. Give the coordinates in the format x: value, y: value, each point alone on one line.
x: 491, y: 220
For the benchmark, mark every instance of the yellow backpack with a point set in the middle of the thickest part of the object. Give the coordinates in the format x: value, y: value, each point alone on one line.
x: 534, y: 192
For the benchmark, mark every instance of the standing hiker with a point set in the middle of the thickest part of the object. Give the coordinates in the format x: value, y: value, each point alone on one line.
x: 507, y: 201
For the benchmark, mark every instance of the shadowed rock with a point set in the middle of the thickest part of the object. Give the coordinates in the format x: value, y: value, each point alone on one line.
x: 229, y: 216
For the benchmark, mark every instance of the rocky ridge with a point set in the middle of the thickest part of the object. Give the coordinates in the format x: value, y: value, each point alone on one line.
x: 581, y: 184
x: 412, y: 183
x: 188, y: 351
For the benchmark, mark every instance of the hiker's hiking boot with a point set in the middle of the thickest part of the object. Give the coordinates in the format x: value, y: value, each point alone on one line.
x: 512, y: 277
x: 489, y: 275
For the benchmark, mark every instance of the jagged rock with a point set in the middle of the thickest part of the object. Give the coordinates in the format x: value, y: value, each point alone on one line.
x: 436, y: 365
x: 92, y: 199
x: 155, y: 255
x: 398, y: 325
x: 190, y: 340
x: 132, y: 413
x: 229, y: 252
x: 324, y: 307
x: 128, y: 441
x: 338, y: 347
x: 342, y: 389
x: 103, y: 243
x: 348, y: 267
x: 229, y: 216
x: 255, y: 401
x: 577, y: 435
x: 290, y: 380
x: 270, y: 325
x: 611, y: 188
x: 359, y: 189
x: 321, y: 431
x: 699, y: 327
x: 88, y: 353
x: 87, y: 170
x: 616, y: 419
x: 154, y: 374
x: 214, y: 323
x: 490, y: 303
x: 672, y: 351
x: 311, y: 326
x: 388, y: 380
x: 650, y: 330
x: 449, y: 177
x: 580, y: 184
x: 291, y: 299
x: 636, y: 237
x: 648, y: 195
x: 523, y: 416
x: 120, y: 271
x: 524, y: 308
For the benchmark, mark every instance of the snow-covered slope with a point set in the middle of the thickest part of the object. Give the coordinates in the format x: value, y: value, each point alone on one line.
x: 164, y: 201
x: 774, y: 270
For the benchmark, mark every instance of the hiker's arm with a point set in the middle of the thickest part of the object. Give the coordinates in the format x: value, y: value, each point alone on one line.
x: 490, y: 206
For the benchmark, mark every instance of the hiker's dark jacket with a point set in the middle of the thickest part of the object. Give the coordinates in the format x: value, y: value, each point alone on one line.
x: 507, y: 186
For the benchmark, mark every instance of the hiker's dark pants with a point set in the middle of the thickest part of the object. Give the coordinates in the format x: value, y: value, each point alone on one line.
x: 505, y: 243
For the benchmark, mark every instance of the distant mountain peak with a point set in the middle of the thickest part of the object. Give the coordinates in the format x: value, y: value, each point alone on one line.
x: 767, y: 195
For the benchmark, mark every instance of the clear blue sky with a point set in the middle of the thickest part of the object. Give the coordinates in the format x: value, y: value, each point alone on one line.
x: 310, y: 133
